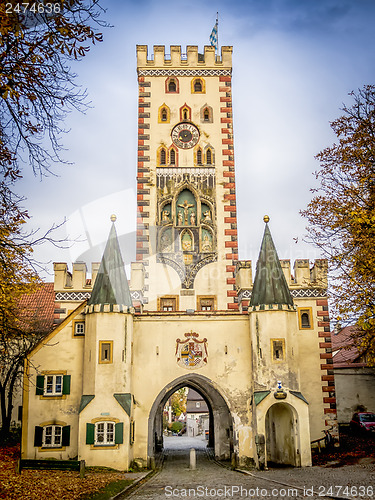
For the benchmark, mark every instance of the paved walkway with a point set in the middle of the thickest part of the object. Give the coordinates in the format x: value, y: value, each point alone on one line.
x: 211, y: 481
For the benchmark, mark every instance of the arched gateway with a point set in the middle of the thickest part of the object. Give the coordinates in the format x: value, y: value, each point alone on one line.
x: 221, y: 423
x: 258, y: 350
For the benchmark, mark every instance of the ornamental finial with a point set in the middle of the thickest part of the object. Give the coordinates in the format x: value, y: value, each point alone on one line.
x: 266, y: 219
x: 113, y: 218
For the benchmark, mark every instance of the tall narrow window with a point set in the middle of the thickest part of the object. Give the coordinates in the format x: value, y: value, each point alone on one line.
x: 305, y: 318
x: 199, y: 157
x: 209, y: 157
x: 206, y: 115
x: 164, y: 115
x: 197, y: 86
x: 185, y: 115
x: 105, y: 351
x: 278, y: 349
x: 172, y: 157
x: 172, y: 87
x: 163, y: 157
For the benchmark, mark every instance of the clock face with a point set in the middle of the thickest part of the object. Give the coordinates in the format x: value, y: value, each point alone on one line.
x: 185, y: 135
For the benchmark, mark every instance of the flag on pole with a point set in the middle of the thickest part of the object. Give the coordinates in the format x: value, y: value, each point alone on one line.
x: 213, y: 36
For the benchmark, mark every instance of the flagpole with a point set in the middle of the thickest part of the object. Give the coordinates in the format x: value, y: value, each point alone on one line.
x: 217, y: 24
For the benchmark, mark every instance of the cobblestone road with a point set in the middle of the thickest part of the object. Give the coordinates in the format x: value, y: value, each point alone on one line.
x: 211, y: 481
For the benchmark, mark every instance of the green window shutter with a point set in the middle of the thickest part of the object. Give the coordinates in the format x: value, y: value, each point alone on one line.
x: 90, y: 433
x: 119, y: 433
x: 66, y: 384
x: 39, y: 385
x: 38, y: 436
x: 65, y: 440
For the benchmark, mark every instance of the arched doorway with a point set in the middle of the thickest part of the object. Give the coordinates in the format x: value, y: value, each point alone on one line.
x: 281, y: 435
x: 221, y: 424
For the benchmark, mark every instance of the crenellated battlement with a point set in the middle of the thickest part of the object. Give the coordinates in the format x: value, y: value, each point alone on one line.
x: 303, y: 276
x: 191, y: 59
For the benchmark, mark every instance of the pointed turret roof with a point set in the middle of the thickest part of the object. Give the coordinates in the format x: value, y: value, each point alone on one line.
x: 111, y: 285
x: 270, y: 286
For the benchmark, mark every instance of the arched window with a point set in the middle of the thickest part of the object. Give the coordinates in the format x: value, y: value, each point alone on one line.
x: 199, y: 157
x: 164, y: 114
x: 172, y: 87
x: 163, y: 157
x: 305, y: 320
x: 185, y: 112
x: 172, y: 157
x: 209, y: 157
x: 197, y: 86
x: 205, y: 114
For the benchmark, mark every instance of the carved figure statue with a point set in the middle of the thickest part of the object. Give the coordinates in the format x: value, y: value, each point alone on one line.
x: 186, y: 207
x: 179, y: 218
x: 165, y: 216
x: 192, y: 218
x: 206, y: 244
x: 207, y: 215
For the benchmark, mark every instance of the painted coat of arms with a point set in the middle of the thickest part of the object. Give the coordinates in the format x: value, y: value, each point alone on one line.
x: 191, y: 352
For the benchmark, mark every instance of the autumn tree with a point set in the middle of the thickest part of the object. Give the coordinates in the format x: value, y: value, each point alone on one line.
x: 341, y: 217
x: 39, y: 41
x: 178, y: 401
x: 37, y: 86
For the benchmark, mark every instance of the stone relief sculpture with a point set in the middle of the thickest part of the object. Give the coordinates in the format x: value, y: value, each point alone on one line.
x: 206, y: 244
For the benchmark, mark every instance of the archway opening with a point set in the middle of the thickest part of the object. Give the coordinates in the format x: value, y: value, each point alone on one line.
x: 217, y: 419
x: 281, y: 435
x: 187, y: 421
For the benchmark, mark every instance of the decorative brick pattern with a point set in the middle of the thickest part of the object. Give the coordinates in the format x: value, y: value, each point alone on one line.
x: 143, y: 172
x: 325, y: 347
x: 230, y: 218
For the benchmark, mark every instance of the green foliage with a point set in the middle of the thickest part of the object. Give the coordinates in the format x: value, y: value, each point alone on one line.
x: 341, y: 218
x: 176, y: 426
x: 178, y: 401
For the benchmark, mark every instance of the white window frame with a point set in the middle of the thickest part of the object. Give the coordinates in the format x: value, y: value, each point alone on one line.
x: 105, y: 433
x: 55, y: 434
x: 56, y: 383
x: 79, y: 325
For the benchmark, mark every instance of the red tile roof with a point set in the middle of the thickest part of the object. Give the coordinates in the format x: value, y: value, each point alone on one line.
x: 38, y: 307
x: 345, y: 353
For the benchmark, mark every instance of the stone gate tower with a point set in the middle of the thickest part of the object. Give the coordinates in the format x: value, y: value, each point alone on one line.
x: 186, y: 235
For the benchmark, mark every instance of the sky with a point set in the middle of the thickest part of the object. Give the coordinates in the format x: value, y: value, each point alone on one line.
x: 294, y: 64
